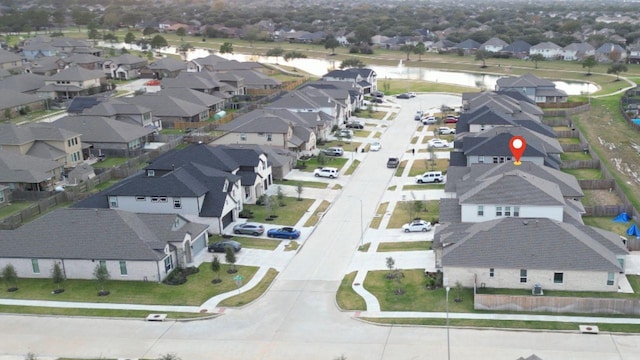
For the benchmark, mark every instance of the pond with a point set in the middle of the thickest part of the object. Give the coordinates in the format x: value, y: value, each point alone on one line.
x: 319, y: 67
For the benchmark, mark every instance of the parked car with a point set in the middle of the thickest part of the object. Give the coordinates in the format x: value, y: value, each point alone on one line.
x: 221, y: 246
x: 375, y: 146
x: 354, y: 125
x: 438, y: 143
x: 345, y: 133
x: 451, y: 119
x: 429, y: 120
x: 377, y: 100
x: 430, y: 177
x: 249, y: 228
x: 403, y: 96
x: 446, y: 130
x: 378, y: 94
x: 417, y: 225
x: 333, y: 151
x: 419, y: 115
x: 329, y: 172
x: 286, y: 232
x: 393, y: 162
x: 411, y: 94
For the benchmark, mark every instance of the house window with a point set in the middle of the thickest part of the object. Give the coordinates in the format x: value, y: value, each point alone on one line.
x: 507, y: 211
x: 177, y: 204
x: 480, y: 210
x: 523, y: 275
x: 163, y: 199
x: 35, y: 266
x: 516, y: 211
x: 492, y: 272
x: 481, y: 159
x: 151, y: 173
x: 154, y: 199
x: 610, y: 278
x: 269, y: 136
x: 103, y: 264
x: 123, y: 268
x: 243, y: 137
x: 495, y: 159
x: 140, y: 198
x: 113, y: 201
x: 168, y: 263
x: 260, y: 134
x: 558, y: 278
x: 498, y: 210
x: 1, y: 196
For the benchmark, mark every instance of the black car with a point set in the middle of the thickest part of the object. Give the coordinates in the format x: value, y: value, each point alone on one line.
x: 403, y: 96
x: 354, y: 125
x: 221, y: 246
x: 378, y: 94
x: 377, y: 100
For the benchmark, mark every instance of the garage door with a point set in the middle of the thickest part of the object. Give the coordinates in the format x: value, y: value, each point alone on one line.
x: 227, y: 219
x: 199, y: 244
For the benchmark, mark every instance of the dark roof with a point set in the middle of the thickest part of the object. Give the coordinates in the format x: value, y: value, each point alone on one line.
x: 179, y: 183
x: 214, y: 157
x: 80, y: 103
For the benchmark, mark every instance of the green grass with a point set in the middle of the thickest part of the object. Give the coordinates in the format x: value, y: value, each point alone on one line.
x: 377, y: 219
x: 422, y: 166
x: 404, y: 246
x: 105, y: 185
x: 194, y: 292
x: 255, y: 292
x: 400, y: 168
x: 606, y: 223
x: 313, y: 220
x: 427, y: 186
x: 330, y: 161
x: 110, y: 162
x: 405, y: 211
x: 251, y: 242
x: 365, y: 247
x: 292, y: 246
x: 569, y: 140
x: 585, y: 174
x: 309, y: 184
x: 288, y: 215
x: 346, y: 298
x: 569, y: 156
x: 39, y: 310
x: 352, y: 167
x: 15, y: 207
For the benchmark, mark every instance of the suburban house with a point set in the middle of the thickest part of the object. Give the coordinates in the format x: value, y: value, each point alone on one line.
x: 520, y: 253
x: 314, y: 100
x: 10, y: 61
x: 212, y: 102
x: 106, y: 136
x: 28, y: 173
x: 165, y: 68
x: 14, y: 103
x: 46, y: 66
x: 170, y: 109
x: 468, y: 46
x: 493, y: 45
x: 254, y: 170
x: 117, y: 109
x: 275, y: 127
x: 281, y: 161
x: 492, y: 146
x: 517, y: 49
x: 364, y: 78
x: 71, y: 82
x: 610, y: 52
x: 492, y: 115
x: 215, y: 63
x: 336, y: 89
x: 87, y: 61
x: 548, y: 50
x: 44, y: 141
x: 578, y: 51
x: 124, y: 67
x: 24, y: 83
x: 537, y: 89
x: 205, y: 82
x: 134, y: 247
x: 36, y: 50
x: 634, y: 53
x: 255, y: 80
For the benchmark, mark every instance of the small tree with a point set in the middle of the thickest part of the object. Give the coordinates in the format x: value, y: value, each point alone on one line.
x: 280, y: 196
x: 169, y: 356
x: 57, y: 276
x: 482, y: 55
x: 10, y: 277
x: 420, y: 50
x: 277, y: 52
x: 536, y: 58
x: 408, y: 49
x: 230, y: 257
x: 215, y: 267
x: 458, y: 292
x: 30, y: 356
x: 351, y: 63
x: 226, y: 47
x: 390, y: 265
x: 291, y: 55
x: 398, y: 276
x: 331, y: 43
x: 299, y: 190
x: 588, y: 63
x: 181, y: 32
x: 129, y: 38
x: 431, y: 161
x: 158, y: 41
x: 7, y: 114
x: 617, y: 68
x: 101, y: 274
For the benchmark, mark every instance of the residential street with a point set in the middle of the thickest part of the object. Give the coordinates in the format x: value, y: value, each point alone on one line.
x: 298, y: 318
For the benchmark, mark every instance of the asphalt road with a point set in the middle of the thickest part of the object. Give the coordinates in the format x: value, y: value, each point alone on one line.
x: 297, y: 318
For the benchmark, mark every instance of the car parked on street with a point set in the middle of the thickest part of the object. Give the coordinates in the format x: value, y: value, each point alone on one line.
x: 393, y: 162
x: 329, y: 172
x: 375, y: 146
x: 354, y: 125
x: 286, y: 232
x: 417, y: 225
x: 249, y: 228
x: 403, y: 96
x: 221, y: 246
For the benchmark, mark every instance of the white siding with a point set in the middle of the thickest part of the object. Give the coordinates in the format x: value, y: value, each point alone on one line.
x: 488, y: 159
x: 469, y: 212
x: 188, y: 205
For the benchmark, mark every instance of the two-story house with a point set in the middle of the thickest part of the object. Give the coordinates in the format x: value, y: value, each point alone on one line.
x: 124, y: 67
x: 548, y: 50
x: 365, y: 78
x: 117, y: 109
x: 71, y: 82
x: 537, y: 89
x: 10, y: 61
x: 28, y: 173
x: 42, y: 140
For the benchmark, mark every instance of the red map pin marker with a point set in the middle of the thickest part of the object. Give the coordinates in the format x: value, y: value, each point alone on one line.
x: 517, y: 146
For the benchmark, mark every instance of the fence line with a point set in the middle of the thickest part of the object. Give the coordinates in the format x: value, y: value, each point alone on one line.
x: 556, y: 304
x: 580, y: 164
x: 602, y: 184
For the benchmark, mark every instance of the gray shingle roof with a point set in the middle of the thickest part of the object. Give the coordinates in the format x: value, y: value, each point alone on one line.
x: 179, y: 183
x: 11, y: 99
x: 102, y: 129
x: 100, y: 234
x: 23, y: 82
x: 167, y: 106
x: 17, y: 168
x: 20, y: 135
x: 520, y: 243
x: 169, y: 64
x: 77, y: 73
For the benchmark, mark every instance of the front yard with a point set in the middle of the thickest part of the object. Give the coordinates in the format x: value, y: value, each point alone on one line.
x: 288, y: 214
x: 406, y: 211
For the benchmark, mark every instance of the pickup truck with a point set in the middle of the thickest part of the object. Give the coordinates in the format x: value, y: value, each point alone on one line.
x: 393, y: 162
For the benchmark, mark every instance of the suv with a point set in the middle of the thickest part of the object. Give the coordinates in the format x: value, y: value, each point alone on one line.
x: 329, y: 172
x: 446, y: 130
x: 354, y: 125
x: 393, y: 162
x: 333, y: 151
x: 429, y: 120
x: 430, y: 177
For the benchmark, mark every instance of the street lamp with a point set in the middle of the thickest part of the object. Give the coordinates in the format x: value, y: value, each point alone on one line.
x: 361, y: 220
x: 448, y: 343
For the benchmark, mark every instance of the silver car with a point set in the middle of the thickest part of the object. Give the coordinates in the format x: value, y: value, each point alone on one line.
x: 249, y: 228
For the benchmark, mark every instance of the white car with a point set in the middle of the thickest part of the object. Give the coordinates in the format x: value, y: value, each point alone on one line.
x: 437, y: 143
x: 412, y: 94
x: 375, y: 146
x: 429, y: 120
x: 329, y: 172
x: 417, y: 225
x: 444, y: 130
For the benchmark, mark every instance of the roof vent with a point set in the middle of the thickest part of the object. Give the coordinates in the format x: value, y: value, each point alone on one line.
x: 525, y: 223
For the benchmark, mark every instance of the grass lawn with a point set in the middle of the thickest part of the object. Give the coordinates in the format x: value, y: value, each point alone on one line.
x: 288, y: 215
x: 110, y: 162
x: 600, y: 197
x: 406, y: 211
x: 568, y: 156
x: 352, y: 167
x: 404, y: 246
x: 426, y: 186
x: 607, y: 223
x: 194, y: 292
x: 416, y: 297
x: 400, y: 168
x: 313, y: 220
x: 422, y: 166
x: 105, y: 185
x: 330, y: 161
x: 346, y: 298
x: 251, y: 242
x: 15, y: 207
x: 377, y: 135
x: 257, y: 291
x: 569, y: 140
x: 361, y: 133
x: 585, y: 174
x: 310, y: 184
x: 370, y: 114
x: 377, y: 218
x: 292, y: 246
x: 37, y: 310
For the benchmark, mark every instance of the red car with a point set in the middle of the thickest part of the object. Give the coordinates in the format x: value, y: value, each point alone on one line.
x: 451, y: 120
x: 153, y: 83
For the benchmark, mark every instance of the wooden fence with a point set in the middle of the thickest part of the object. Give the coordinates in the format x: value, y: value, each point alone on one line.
x: 606, y: 210
x: 602, y: 184
x: 556, y: 304
x: 580, y: 164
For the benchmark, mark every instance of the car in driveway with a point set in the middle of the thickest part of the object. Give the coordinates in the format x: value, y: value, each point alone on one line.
x: 430, y: 177
x: 329, y: 172
x: 403, y: 96
x: 249, y: 228
x: 438, y: 143
x: 221, y: 246
x: 286, y: 232
x: 375, y: 146
x: 417, y: 225
x: 443, y: 130
x: 354, y: 125
x: 379, y: 94
x: 377, y: 100
x: 429, y: 120
x: 333, y: 151
x: 346, y: 133
x: 451, y: 119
